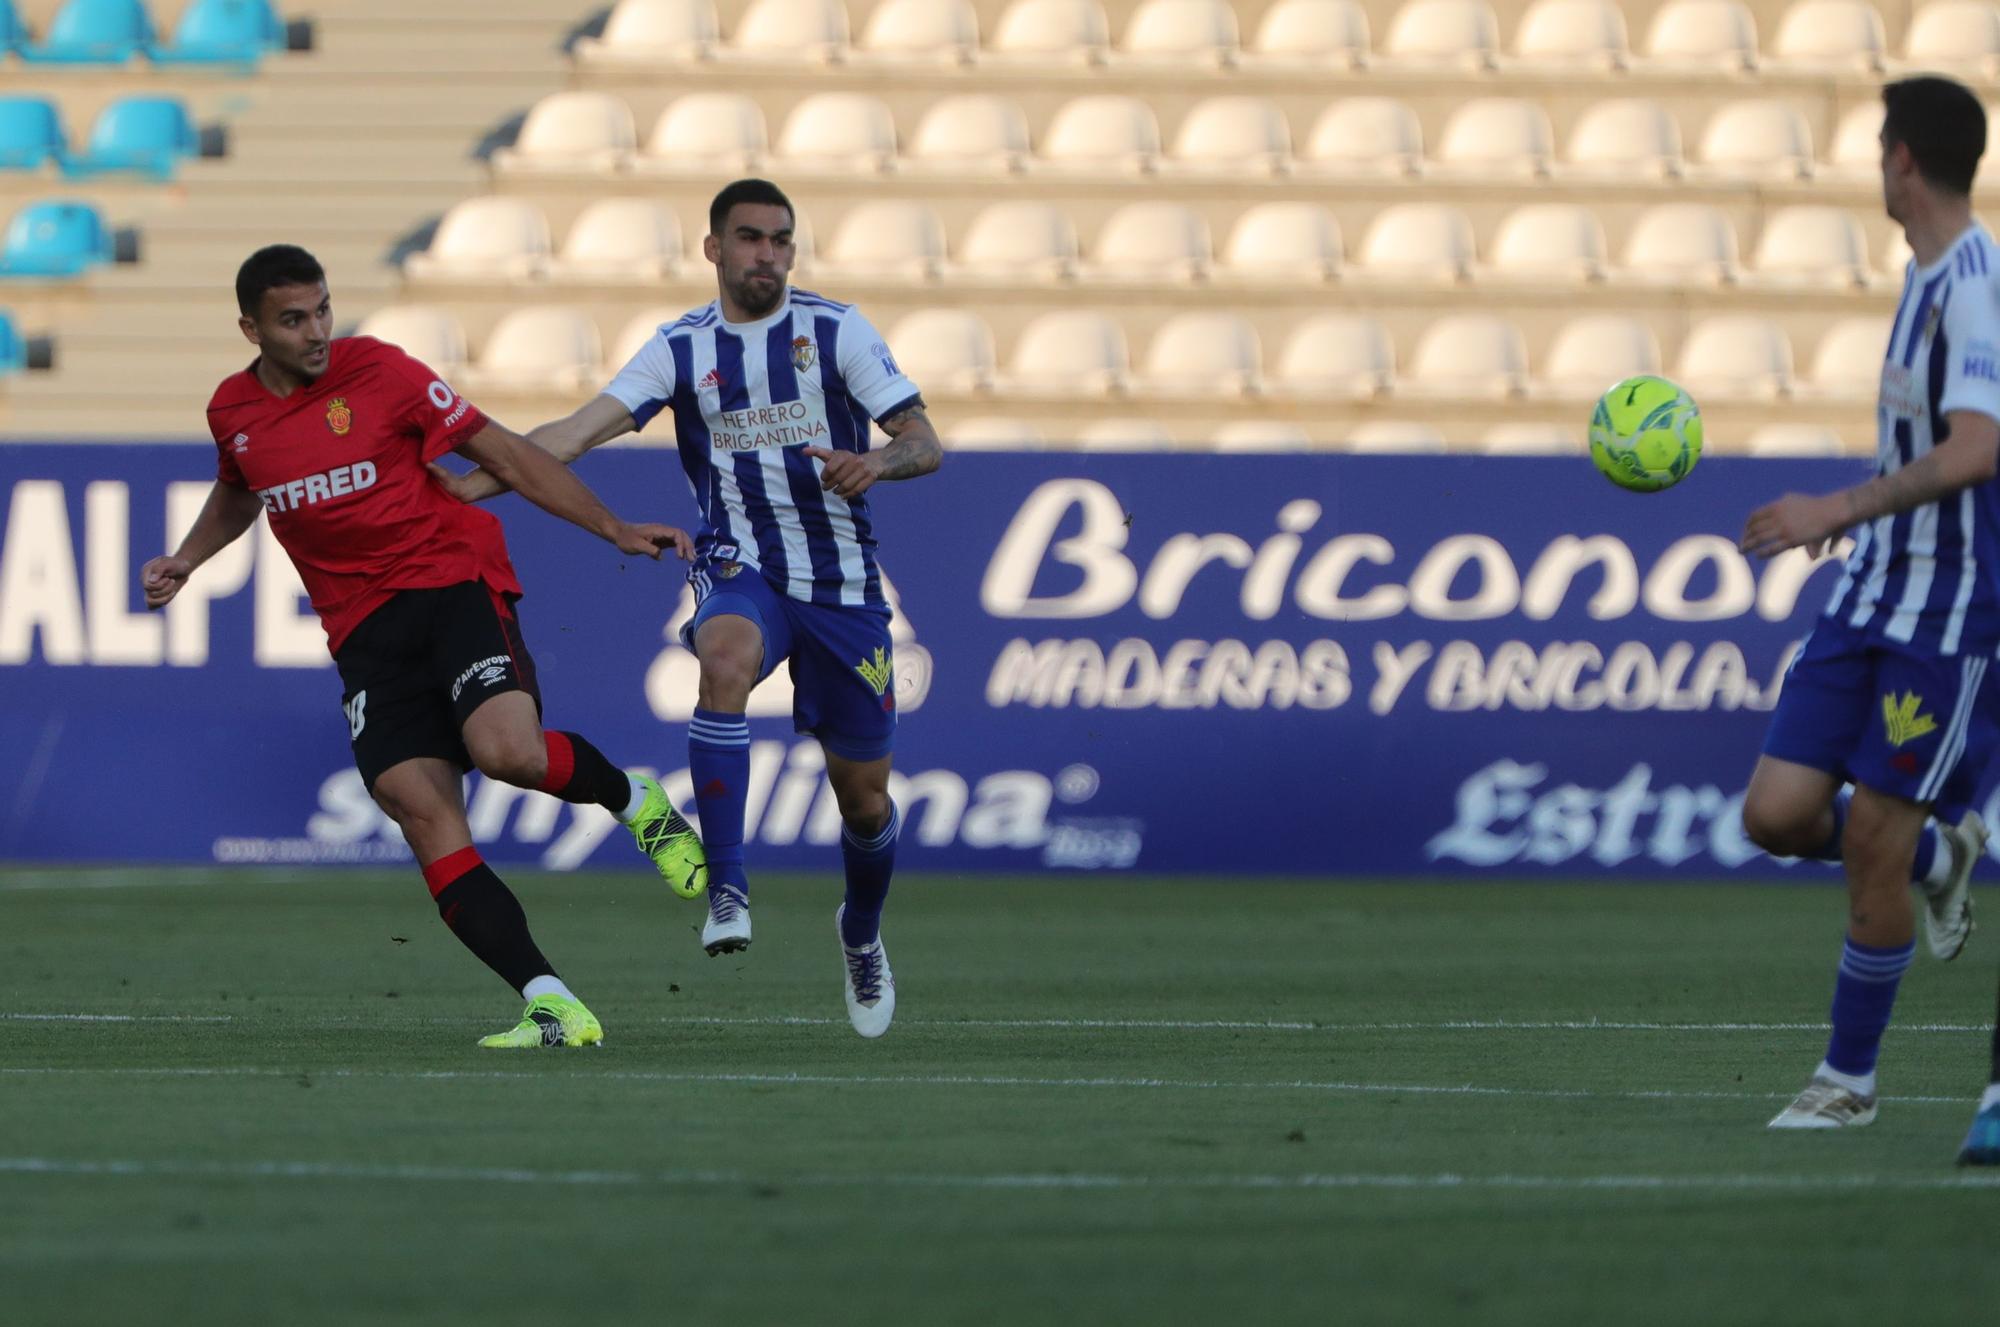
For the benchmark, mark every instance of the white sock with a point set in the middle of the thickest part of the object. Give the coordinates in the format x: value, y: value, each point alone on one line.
x: 1992, y: 1097
x: 1940, y: 860
x: 631, y: 811
x: 1861, y: 1086
x: 541, y: 986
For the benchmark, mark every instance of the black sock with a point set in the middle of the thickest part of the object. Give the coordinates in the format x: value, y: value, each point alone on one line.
x: 487, y: 919
x: 578, y: 772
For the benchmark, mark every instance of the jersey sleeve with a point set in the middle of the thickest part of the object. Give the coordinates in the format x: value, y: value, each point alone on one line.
x: 646, y: 383
x: 226, y: 469
x: 1972, y: 331
x: 424, y: 401
x: 869, y: 370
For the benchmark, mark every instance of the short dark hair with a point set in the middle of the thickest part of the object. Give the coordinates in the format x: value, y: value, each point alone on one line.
x: 272, y: 266
x: 747, y: 191
x: 1943, y: 125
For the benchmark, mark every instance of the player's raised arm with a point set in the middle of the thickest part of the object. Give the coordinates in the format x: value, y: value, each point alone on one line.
x: 545, y: 481
x: 594, y: 423
x: 230, y: 510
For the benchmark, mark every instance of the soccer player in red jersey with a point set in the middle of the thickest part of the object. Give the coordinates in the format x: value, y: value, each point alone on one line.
x: 331, y: 438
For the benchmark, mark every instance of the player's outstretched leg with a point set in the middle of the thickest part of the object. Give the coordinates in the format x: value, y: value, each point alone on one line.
x: 719, y: 761
x: 1946, y: 855
x: 1982, y: 1142
x: 488, y: 920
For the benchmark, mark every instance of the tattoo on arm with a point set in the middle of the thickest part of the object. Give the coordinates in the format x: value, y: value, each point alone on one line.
x: 913, y: 447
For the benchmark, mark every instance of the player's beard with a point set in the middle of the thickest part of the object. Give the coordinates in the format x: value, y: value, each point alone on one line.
x: 756, y: 299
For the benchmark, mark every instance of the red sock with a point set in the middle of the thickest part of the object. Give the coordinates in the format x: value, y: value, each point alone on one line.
x: 441, y: 873
x: 562, y: 763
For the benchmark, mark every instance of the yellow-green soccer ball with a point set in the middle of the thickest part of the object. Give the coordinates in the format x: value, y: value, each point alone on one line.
x: 1645, y: 434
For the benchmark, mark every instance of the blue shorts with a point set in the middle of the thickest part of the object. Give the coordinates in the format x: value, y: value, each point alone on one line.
x: 1917, y: 726
x: 843, y: 684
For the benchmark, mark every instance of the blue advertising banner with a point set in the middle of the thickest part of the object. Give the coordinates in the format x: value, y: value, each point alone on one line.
x: 1219, y: 663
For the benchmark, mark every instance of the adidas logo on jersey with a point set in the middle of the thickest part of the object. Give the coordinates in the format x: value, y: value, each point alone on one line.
x: 709, y: 379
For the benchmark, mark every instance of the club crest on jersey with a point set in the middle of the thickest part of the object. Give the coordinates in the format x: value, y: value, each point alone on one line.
x: 802, y: 353
x: 338, y: 417
x: 877, y: 672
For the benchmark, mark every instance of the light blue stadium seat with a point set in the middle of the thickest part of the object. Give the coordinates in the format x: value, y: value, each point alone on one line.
x: 58, y: 238
x: 224, y: 32
x: 145, y: 134
x: 94, y: 32
x: 12, y: 34
x: 31, y: 134
x: 13, y: 349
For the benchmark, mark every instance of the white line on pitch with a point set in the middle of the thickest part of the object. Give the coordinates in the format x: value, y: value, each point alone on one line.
x: 119, y: 1018
x: 1231, y: 1025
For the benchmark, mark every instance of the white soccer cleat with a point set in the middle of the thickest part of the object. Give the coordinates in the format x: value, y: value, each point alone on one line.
x: 1948, y: 912
x: 871, y: 987
x: 1826, y: 1105
x: 727, y: 930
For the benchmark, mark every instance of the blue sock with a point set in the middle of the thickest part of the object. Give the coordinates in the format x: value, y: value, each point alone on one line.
x: 1932, y: 855
x: 719, y: 761
x: 1830, y: 850
x: 1863, y: 995
x: 870, y: 862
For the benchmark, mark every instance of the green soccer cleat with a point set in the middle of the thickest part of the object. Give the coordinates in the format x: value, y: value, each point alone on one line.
x: 665, y: 836
x: 549, y: 1020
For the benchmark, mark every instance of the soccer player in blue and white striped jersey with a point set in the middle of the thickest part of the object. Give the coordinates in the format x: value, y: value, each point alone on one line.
x: 1892, y: 691
x: 774, y: 394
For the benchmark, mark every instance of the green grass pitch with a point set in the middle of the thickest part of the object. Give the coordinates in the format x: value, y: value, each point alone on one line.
x: 1135, y: 1101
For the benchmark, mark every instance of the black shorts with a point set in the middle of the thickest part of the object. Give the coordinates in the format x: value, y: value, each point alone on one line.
x: 418, y: 666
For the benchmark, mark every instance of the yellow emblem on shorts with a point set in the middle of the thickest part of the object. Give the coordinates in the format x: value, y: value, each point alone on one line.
x: 877, y: 672
x: 338, y: 417
x: 1900, y: 717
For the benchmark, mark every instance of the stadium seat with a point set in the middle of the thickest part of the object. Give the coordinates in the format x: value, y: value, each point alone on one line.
x: 1856, y: 153
x: 654, y: 32
x: 545, y: 348
x: 1736, y: 356
x: 1955, y: 35
x: 31, y: 133
x: 1233, y: 136
x: 1896, y: 261
x: 1681, y: 244
x: 637, y: 331
x: 946, y: 350
x: 1020, y: 242
x: 923, y: 31
x: 1124, y: 435
x: 1625, y: 139
x: 705, y: 132
x: 13, y: 347
x: 1832, y: 35
x: 57, y: 238
x: 1100, y: 133
x: 886, y: 240
x: 1702, y: 34
x: 1757, y: 139
x: 1526, y: 439
x: 1317, y: 33
x: 1365, y: 136
x: 93, y: 32
x: 1203, y: 354
x: 1795, y: 439
x: 430, y: 335
x: 1071, y: 31
x: 1460, y: 34
x: 1152, y: 241
x: 1468, y: 355
x: 838, y: 132
x: 1549, y: 242
x: 224, y: 32
x: 1284, y: 242
x: 976, y: 132
x: 484, y: 239
x: 1180, y: 31
x: 1847, y: 364
x: 1394, y: 437
x: 990, y: 433
x: 1418, y: 242
x: 149, y: 135
x: 1070, y: 352
x: 1496, y: 136
x: 572, y: 131
x: 1812, y: 245
x: 1572, y: 34
x: 813, y: 30
x: 616, y: 240
x: 1590, y: 353
x: 1342, y: 355
x: 13, y: 33
x: 1261, y: 435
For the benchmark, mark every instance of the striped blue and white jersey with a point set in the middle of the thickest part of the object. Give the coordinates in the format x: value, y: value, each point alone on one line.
x: 746, y: 399
x: 1929, y: 579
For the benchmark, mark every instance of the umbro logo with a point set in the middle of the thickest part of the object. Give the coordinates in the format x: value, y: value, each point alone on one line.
x: 241, y: 442
x: 711, y: 379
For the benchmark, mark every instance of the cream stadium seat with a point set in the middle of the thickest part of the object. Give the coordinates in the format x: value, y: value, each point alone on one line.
x: 1124, y: 435
x: 812, y: 30
x: 1019, y: 242
x: 1812, y: 246
x: 1365, y: 136
x: 1590, y: 353
x: 1795, y: 439
x: 1955, y: 35
x: 1856, y: 153
x: 707, y: 132
x: 1069, y: 352
x: 805, y: 254
x: 1340, y: 355
x: 976, y: 132
x: 616, y: 240
x: 1572, y: 34
x: 638, y: 330
x: 1702, y: 34
x: 1151, y: 241
x: 886, y: 240
x: 545, y: 348
x: 1757, y: 140
x: 1549, y: 242
x: 430, y: 335
x: 1180, y: 32
x: 1069, y: 31
x: 1473, y: 355
x: 494, y: 238
x: 1102, y: 133
x: 990, y: 433
x: 1896, y: 259
x: 1315, y: 33
x: 1394, y: 437
x: 1736, y: 356
x: 1681, y: 244
x: 1532, y: 440
x: 1233, y: 136
x: 1461, y: 34
x: 572, y: 131
x: 1847, y: 363
x: 653, y: 32
x: 1418, y: 242
x: 1496, y: 136
x: 1283, y: 242
x: 1831, y: 35
x: 947, y: 350
x: 1629, y: 138
x: 944, y: 32
x: 1261, y: 435
x: 1203, y: 354
x: 838, y: 132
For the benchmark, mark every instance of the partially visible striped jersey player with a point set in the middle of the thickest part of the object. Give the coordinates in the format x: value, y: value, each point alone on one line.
x: 774, y: 394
